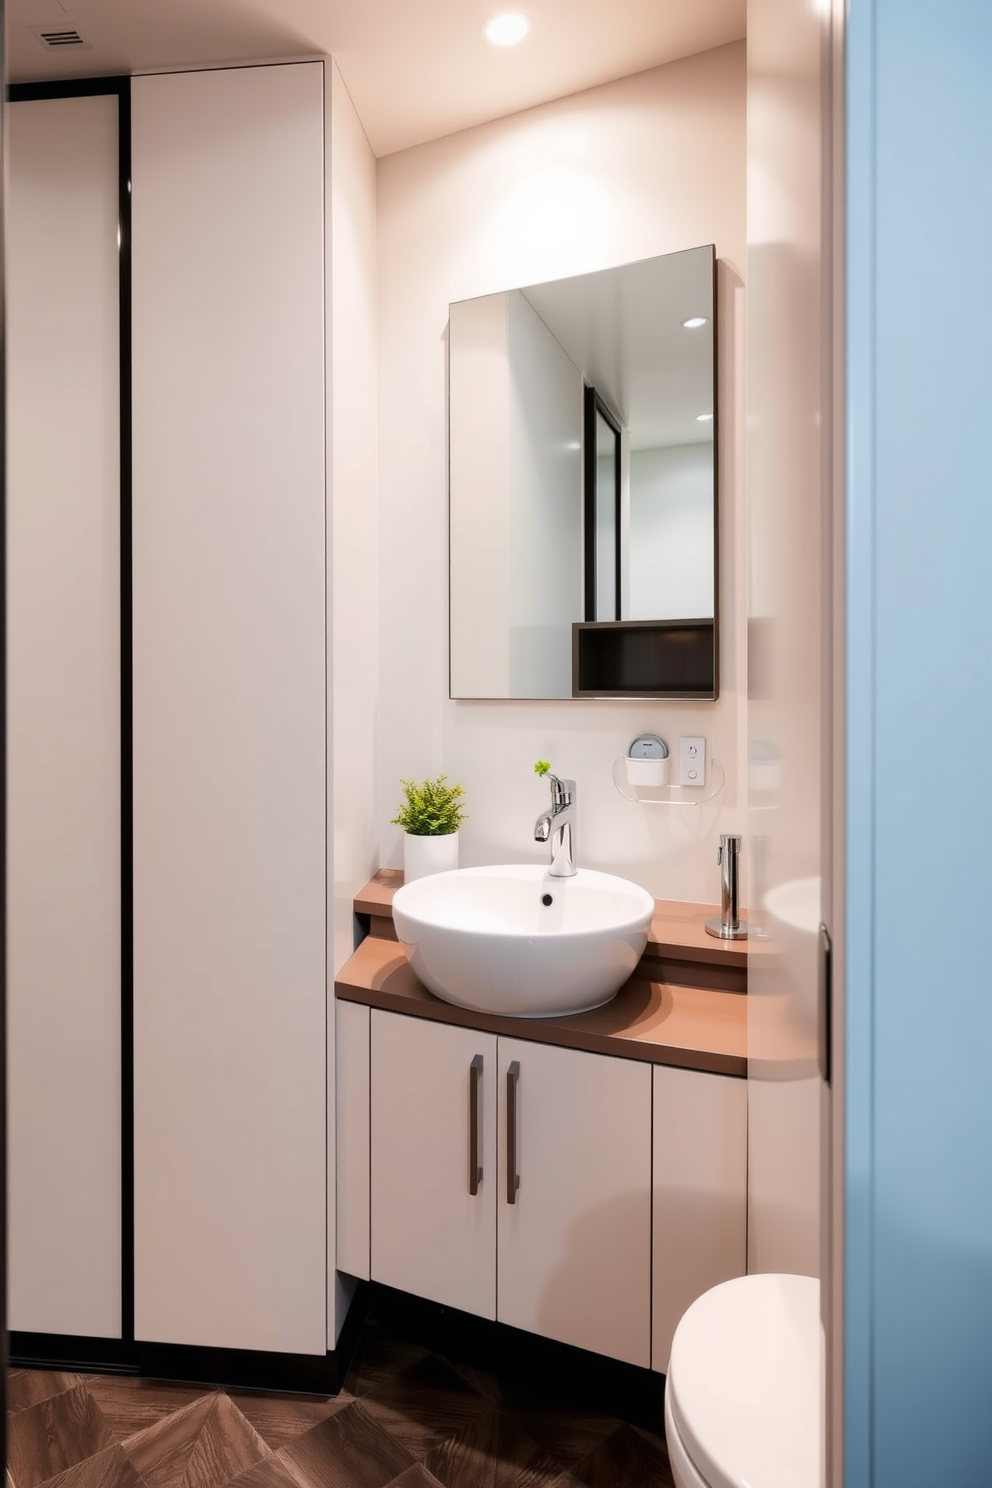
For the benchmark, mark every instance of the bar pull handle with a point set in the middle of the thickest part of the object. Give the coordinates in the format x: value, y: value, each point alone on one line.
x: 474, y: 1122
x: 512, y: 1176
x: 824, y: 1004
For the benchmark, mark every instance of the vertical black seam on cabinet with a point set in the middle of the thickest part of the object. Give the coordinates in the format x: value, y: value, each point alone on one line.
x: 127, y: 730
x: 330, y: 1030
x: 3, y: 756
x: 119, y: 87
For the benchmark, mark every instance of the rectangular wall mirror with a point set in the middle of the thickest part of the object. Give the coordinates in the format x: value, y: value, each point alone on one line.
x: 583, y: 495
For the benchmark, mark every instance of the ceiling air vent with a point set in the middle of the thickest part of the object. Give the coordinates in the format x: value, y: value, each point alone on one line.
x: 60, y: 38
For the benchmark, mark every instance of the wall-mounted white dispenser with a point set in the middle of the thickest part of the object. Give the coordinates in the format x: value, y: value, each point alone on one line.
x: 647, y: 761
x: 645, y: 767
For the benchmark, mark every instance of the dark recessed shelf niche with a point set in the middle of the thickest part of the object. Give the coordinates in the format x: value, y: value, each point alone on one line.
x: 644, y: 658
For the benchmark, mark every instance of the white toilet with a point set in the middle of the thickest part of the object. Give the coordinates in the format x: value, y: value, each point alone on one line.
x: 743, y: 1399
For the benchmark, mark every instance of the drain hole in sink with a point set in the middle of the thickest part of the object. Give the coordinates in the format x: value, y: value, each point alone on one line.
x: 547, y: 899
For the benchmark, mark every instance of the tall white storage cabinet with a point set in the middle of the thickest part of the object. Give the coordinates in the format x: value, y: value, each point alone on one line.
x: 64, y: 719
x: 230, y: 901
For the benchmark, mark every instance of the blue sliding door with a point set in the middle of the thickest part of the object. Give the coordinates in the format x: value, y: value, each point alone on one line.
x: 918, y: 1185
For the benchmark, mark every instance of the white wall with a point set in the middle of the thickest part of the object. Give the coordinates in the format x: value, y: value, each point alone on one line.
x: 351, y: 554
x: 647, y: 165
x: 671, y: 522
x: 64, y: 718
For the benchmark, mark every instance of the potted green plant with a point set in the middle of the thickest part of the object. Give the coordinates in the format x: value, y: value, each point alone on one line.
x: 430, y: 815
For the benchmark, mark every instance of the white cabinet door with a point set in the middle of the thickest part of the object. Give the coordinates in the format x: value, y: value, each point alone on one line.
x: 700, y: 1193
x: 64, y: 718
x: 230, y: 738
x: 433, y: 1142
x: 574, y: 1239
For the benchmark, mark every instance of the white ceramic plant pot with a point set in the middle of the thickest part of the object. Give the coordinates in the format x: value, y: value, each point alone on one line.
x: 425, y: 855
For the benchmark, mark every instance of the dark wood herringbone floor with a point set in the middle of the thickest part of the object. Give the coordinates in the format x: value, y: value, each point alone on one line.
x: 408, y: 1418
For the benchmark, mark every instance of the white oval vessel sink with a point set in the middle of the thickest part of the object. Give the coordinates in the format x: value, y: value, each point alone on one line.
x: 486, y: 939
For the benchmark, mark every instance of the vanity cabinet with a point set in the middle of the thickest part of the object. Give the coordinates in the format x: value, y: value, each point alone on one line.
x: 563, y: 1251
x: 607, y: 1150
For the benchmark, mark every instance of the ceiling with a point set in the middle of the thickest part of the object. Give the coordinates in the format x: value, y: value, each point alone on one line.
x: 416, y: 69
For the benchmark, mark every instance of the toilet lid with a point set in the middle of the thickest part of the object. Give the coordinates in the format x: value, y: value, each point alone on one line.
x: 744, y: 1382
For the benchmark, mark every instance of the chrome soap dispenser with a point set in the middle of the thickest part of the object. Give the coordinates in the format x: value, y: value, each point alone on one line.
x: 729, y: 926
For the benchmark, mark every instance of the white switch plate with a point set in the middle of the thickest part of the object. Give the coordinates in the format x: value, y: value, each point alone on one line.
x: 692, y: 761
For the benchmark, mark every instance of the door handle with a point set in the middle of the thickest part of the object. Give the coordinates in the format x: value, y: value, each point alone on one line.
x: 474, y: 1099
x: 512, y: 1176
x: 825, y: 992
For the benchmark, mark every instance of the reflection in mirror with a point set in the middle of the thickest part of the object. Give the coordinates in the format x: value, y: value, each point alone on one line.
x: 582, y: 427
x: 601, y: 433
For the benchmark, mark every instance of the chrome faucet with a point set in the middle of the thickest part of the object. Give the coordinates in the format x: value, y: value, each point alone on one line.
x: 557, y: 824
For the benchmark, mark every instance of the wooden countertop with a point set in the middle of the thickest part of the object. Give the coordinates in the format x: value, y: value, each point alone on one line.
x: 662, y: 1020
x: 377, y: 896
x: 694, y: 1027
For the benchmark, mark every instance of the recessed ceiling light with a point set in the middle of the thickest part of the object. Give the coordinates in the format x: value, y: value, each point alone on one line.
x: 507, y: 29
x: 703, y: 418
x: 694, y: 322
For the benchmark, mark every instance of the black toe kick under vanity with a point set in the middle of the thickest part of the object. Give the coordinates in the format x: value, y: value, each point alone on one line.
x: 580, y: 1178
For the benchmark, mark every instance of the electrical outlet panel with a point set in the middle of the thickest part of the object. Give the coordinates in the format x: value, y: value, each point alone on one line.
x: 692, y: 761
